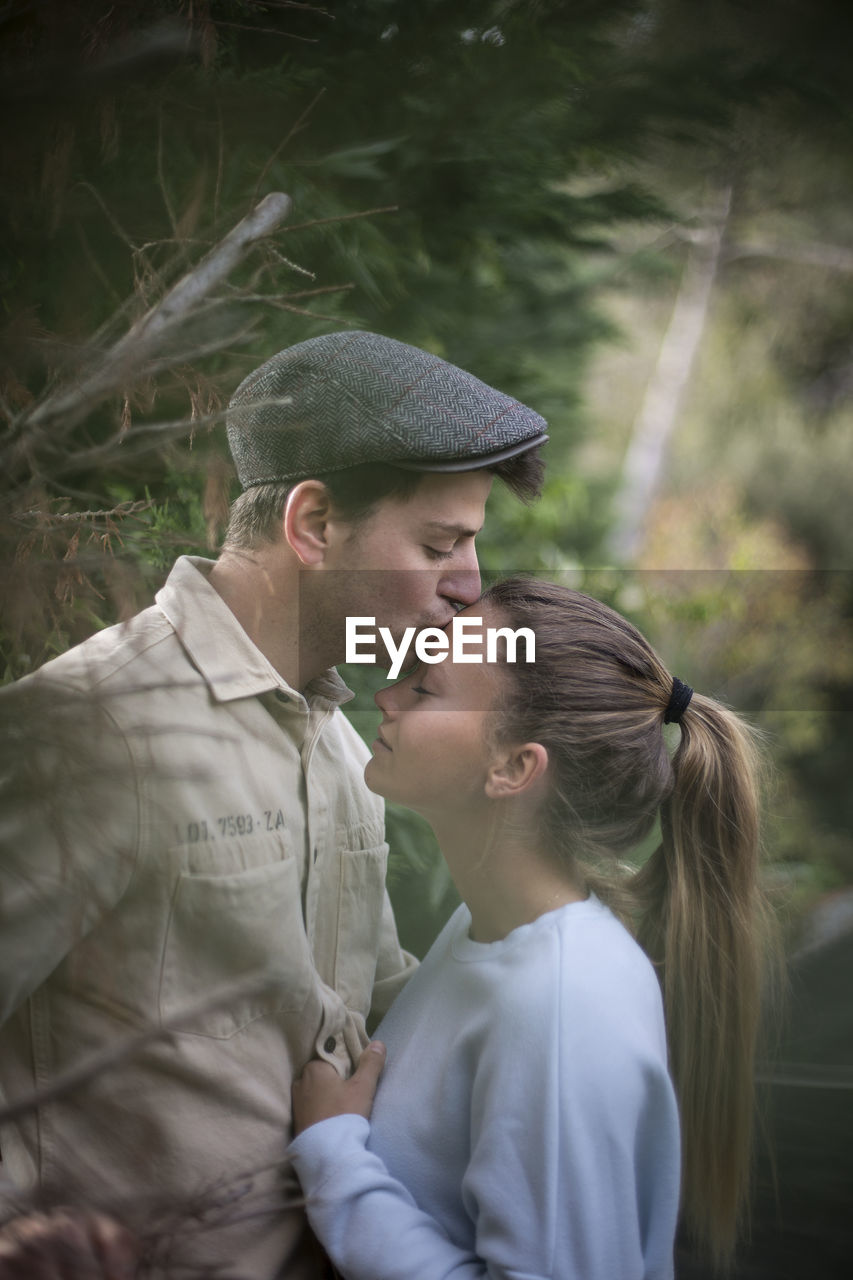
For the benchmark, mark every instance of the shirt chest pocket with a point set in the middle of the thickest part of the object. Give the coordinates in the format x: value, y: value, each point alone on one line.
x: 235, y: 949
x: 360, y: 910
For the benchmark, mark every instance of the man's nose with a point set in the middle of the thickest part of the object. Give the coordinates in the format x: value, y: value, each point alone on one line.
x: 461, y: 584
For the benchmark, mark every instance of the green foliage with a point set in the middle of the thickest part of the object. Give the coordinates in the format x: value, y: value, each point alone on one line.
x: 540, y: 166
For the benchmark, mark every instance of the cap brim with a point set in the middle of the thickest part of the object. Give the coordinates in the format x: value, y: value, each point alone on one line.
x: 472, y: 464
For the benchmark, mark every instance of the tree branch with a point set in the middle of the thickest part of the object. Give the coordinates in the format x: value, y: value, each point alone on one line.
x: 835, y: 257
x: 131, y: 355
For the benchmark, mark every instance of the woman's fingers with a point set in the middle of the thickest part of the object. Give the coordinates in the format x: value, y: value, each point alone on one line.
x: 320, y: 1093
x: 365, y: 1078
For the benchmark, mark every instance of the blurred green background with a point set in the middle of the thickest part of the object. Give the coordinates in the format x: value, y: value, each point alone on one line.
x: 633, y: 216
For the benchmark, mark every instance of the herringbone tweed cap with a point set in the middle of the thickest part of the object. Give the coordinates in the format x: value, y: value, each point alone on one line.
x: 349, y: 398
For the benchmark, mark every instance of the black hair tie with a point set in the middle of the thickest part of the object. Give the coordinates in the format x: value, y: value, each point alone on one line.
x: 679, y: 700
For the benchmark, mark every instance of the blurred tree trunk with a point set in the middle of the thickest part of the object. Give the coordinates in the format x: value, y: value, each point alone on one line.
x: 658, y: 415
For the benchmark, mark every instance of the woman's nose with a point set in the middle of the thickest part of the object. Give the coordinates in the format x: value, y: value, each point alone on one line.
x: 384, y: 699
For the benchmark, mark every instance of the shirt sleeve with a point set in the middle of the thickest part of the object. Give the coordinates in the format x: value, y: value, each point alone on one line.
x: 68, y: 829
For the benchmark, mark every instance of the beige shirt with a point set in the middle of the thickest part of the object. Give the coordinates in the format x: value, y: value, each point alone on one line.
x: 176, y: 820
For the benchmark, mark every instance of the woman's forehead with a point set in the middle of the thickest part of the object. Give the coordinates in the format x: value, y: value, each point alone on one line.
x: 469, y: 680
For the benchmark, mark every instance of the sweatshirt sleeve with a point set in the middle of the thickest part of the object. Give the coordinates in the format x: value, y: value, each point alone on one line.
x: 366, y: 1220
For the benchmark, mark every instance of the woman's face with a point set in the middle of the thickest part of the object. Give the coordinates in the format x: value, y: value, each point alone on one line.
x: 431, y: 752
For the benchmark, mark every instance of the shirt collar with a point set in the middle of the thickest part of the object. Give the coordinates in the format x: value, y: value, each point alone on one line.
x: 231, y: 665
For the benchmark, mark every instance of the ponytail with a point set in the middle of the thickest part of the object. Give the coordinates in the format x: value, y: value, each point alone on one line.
x: 700, y: 919
x: 597, y: 698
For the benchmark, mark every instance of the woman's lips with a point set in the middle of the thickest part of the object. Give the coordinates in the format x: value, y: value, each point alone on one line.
x: 380, y: 741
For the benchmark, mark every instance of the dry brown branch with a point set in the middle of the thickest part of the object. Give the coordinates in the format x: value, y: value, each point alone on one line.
x: 286, y: 262
x: 220, y: 161
x: 272, y: 298
x: 146, y: 436
x: 47, y: 518
x: 108, y: 214
x: 834, y: 257
x: 266, y: 31
x: 155, y: 244
x: 312, y: 315
x: 296, y: 4
x: 133, y: 355
x: 343, y: 217
x: 291, y: 131
x: 161, y: 177
x: 310, y: 293
x: 95, y: 265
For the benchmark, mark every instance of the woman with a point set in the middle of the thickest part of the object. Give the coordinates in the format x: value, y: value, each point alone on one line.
x: 526, y: 1125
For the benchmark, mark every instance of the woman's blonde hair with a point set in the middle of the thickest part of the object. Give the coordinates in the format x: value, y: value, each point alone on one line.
x: 595, y: 698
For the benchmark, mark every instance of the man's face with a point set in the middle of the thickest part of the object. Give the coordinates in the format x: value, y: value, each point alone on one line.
x: 412, y: 561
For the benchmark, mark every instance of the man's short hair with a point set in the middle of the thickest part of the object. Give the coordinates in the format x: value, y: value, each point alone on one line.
x: 257, y: 515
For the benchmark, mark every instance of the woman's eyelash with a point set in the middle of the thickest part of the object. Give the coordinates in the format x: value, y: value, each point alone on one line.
x: 435, y: 554
x: 418, y: 688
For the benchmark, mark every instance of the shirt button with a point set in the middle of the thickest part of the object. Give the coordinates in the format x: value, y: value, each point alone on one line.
x: 330, y: 1044
x: 281, y: 696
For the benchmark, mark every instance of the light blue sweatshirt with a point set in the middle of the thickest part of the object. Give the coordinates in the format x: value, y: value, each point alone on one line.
x: 525, y: 1126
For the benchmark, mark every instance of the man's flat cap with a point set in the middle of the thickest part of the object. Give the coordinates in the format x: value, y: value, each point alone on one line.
x: 350, y: 398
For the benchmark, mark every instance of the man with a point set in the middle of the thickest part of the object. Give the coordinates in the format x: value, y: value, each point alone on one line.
x: 199, y: 853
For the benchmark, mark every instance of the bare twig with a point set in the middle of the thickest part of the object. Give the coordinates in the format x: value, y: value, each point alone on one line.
x: 295, y: 4
x: 271, y: 298
x: 42, y: 518
x: 291, y: 131
x: 286, y: 262
x: 312, y: 315
x: 149, y: 336
x: 343, y: 217
x: 95, y: 265
x: 265, y: 31
x: 124, y: 447
x: 108, y: 213
x: 220, y: 161
x: 161, y: 177
x: 310, y: 293
x: 814, y: 254
x: 155, y: 244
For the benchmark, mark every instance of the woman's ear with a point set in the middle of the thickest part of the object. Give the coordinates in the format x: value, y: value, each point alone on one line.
x: 516, y: 771
x: 307, y: 513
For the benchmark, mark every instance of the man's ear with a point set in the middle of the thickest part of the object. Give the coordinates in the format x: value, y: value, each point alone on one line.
x: 307, y: 514
x: 516, y: 771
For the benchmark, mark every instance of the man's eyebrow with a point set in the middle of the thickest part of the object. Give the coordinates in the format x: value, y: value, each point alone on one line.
x: 457, y: 530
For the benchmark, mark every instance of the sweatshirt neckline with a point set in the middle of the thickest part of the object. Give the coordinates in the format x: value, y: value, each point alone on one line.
x: 464, y: 947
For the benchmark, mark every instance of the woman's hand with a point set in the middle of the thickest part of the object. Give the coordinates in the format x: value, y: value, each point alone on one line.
x: 320, y: 1092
